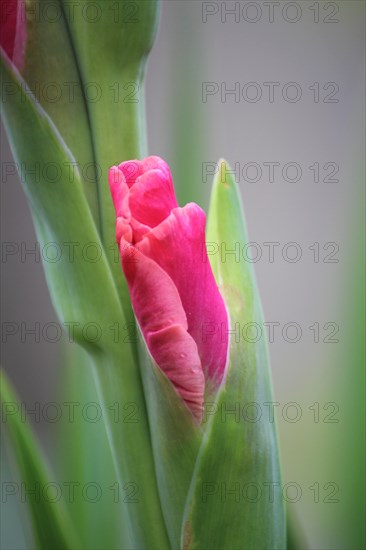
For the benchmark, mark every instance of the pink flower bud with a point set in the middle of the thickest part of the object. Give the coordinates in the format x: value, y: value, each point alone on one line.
x: 173, y: 291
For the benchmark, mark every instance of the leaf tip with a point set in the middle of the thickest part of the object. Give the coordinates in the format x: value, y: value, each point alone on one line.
x: 224, y: 176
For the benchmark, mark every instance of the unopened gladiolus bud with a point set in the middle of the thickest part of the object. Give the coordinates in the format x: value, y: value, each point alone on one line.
x: 173, y: 291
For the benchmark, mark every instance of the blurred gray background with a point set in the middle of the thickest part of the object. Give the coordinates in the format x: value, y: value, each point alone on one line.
x: 306, y: 43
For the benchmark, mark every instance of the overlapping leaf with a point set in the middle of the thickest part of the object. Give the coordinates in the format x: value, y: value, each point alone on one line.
x: 175, y: 440
x: 235, y: 499
x: 61, y: 215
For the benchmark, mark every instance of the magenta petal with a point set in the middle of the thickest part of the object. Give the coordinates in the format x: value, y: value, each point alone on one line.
x: 143, y: 203
x: 176, y: 354
x: 163, y: 322
x: 126, y: 227
x: 152, y: 198
x: 151, y: 190
x: 13, y: 30
x: 133, y: 169
x: 20, y: 36
x: 155, y: 298
x: 178, y: 246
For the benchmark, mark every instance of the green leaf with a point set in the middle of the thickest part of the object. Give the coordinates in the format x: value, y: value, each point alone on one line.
x: 61, y: 216
x: 52, y: 526
x: 175, y: 440
x: 11, y: 513
x: 237, y: 454
x: 84, y: 295
x: 51, y: 72
x: 124, y: 408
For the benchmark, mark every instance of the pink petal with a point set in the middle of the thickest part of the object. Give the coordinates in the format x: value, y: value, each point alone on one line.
x: 178, y: 246
x: 151, y: 199
x: 13, y: 30
x: 143, y: 203
x: 132, y: 169
x: 163, y: 322
x: 152, y: 194
x: 177, y: 356
x: 20, y: 36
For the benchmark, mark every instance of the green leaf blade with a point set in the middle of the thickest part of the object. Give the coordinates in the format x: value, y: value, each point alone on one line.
x: 175, y: 441
x: 61, y: 216
x: 51, y: 72
x: 230, y: 503
x: 52, y: 526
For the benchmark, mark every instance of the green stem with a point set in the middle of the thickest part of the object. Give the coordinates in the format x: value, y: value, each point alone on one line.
x: 125, y: 414
x: 82, y: 453
x: 111, y: 54
x: 119, y: 134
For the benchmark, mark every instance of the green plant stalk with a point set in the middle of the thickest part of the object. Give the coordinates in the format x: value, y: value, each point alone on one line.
x: 124, y: 411
x: 82, y: 453
x: 111, y: 55
x: 189, y: 139
x: 119, y: 134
